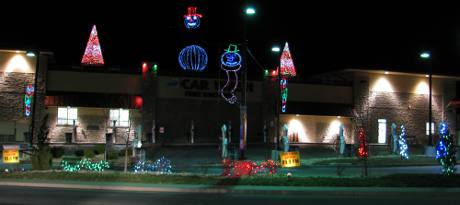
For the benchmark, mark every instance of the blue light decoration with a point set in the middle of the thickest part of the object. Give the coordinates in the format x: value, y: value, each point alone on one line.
x: 231, y: 64
x: 445, y: 151
x: 192, y: 18
x: 160, y: 166
x: 29, y: 93
x: 193, y: 58
x: 403, y: 148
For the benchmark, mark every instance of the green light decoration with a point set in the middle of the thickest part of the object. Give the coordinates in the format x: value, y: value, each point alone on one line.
x: 155, y: 68
x: 85, y: 164
x: 445, y: 151
x: 266, y: 73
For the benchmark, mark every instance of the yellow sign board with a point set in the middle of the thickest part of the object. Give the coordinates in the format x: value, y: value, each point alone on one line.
x: 11, y: 156
x: 290, y: 159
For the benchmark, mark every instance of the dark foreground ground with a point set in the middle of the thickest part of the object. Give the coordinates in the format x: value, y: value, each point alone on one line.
x: 52, y: 196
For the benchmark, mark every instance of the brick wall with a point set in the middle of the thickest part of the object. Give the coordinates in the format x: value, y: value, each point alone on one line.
x: 12, y: 92
x: 88, y: 121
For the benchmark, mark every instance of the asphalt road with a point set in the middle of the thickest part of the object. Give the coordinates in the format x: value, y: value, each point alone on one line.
x: 51, y: 196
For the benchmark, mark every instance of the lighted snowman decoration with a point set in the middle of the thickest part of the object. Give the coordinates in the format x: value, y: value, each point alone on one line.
x: 192, y: 19
x: 231, y: 64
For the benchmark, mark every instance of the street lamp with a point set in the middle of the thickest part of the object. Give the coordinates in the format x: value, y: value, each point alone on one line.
x: 426, y: 57
x: 250, y: 11
x: 276, y: 49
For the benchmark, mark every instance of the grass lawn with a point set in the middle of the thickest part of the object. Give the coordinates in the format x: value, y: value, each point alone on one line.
x: 384, y: 160
x: 399, y: 180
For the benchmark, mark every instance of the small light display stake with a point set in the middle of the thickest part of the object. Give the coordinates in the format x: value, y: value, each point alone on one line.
x: 403, y: 148
x: 231, y: 64
x: 192, y: 18
x: 29, y: 93
x: 93, y: 52
x: 445, y: 151
x: 193, y: 58
x: 287, y: 70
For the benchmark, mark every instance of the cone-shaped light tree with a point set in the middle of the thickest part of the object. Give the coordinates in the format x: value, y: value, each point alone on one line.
x: 93, y: 52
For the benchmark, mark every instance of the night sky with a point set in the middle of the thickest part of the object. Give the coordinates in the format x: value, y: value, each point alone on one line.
x: 323, y: 37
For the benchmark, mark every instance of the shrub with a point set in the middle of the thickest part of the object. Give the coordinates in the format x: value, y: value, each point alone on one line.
x: 122, y: 152
x: 112, y: 154
x: 89, y: 153
x: 79, y: 153
x: 99, y: 149
x: 57, y: 152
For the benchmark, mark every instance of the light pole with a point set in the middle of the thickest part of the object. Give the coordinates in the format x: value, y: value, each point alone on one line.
x: 426, y: 56
x: 249, y: 11
x: 276, y: 49
x: 34, y: 53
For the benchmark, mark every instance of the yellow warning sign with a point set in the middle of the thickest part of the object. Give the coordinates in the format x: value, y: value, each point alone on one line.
x: 290, y: 159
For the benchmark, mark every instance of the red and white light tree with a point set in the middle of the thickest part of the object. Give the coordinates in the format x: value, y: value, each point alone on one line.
x: 287, y: 70
x: 93, y: 52
x: 287, y: 64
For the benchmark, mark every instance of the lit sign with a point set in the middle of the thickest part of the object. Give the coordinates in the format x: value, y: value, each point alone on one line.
x: 29, y: 93
x: 10, y: 154
x: 290, y: 159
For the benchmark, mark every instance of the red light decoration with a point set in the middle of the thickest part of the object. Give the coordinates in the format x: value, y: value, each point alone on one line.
x: 247, y: 168
x: 286, y: 63
x: 145, y: 67
x: 362, y: 150
x: 93, y: 52
x: 138, y: 102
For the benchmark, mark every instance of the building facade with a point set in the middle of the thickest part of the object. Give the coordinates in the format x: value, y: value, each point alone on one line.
x: 87, y: 105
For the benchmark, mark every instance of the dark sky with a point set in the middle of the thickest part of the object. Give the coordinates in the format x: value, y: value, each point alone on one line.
x: 322, y: 37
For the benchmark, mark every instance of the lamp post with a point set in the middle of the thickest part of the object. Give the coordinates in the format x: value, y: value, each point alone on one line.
x: 426, y: 56
x: 276, y: 49
x: 34, y: 53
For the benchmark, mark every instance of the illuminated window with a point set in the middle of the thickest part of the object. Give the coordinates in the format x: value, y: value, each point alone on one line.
x: 67, y: 116
x: 427, y: 128
x: 382, y: 131
x: 121, y: 116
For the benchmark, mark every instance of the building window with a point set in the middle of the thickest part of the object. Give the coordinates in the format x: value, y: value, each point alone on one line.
x: 382, y: 131
x: 121, y: 116
x: 427, y: 128
x: 67, y: 115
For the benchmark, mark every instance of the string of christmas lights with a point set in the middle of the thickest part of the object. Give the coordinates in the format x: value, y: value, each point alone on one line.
x: 84, y: 164
x: 403, y: 148
x: 287, y: 69
x: 445, y: 151
x: 248, y: 168
x: 362, y: 150
x: 192, y: 18
x: 93, y: 51
x: 160, y: 166
x: 231, y: 64
x: 193, y: 58
x: 29, y: 92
